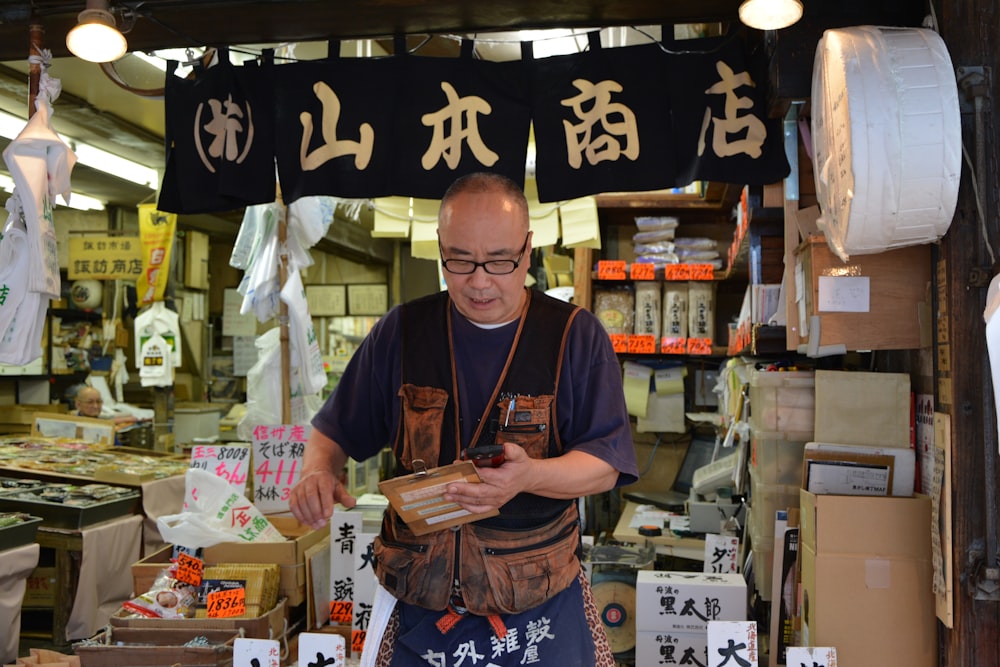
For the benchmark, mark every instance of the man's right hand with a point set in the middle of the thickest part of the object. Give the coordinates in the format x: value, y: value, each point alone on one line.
x: 314, y: 496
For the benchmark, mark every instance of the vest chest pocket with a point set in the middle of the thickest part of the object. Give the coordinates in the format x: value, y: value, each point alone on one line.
x: 423, y: 419
x: 526, y: 421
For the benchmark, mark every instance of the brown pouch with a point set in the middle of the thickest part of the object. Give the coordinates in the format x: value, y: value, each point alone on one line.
x: 511, y: 571
x: 416, y: 570
x: 423, y: 419
x: 527, y: 423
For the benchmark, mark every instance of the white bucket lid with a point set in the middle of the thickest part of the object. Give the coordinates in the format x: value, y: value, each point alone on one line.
x: 887, y: 143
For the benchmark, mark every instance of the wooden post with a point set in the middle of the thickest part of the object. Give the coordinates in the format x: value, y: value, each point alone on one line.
x: 36, y: 35
x: 286, y: 354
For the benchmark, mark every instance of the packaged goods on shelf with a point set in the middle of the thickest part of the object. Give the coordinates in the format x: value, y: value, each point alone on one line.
x: 647, y: 308
x: 701, y: 309
x: 615, y: 308
x: 675, y: 309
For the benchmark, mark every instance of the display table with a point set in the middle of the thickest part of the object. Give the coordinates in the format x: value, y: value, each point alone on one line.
x: 15, y: 566
x: 93, y: 573
x: 692, y: 548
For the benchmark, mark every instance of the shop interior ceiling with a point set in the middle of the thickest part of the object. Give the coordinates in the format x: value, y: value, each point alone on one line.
x: 95, y: 110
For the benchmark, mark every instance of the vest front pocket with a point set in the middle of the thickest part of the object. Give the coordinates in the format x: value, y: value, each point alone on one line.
x: 526, y: 422
x: 423, y: 420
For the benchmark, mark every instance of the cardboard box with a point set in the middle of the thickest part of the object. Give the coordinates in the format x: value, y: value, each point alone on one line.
x: 863, y: 408
x: 156, y: 647
x: 272, y: 625
x: 902, y: 465
x: 656, y: 647
x: 19, y: 418
x: 687, y: 601
x: 289, y: 556
x: 897, y: 297
x: 40, y: 589
x: 867, y: 579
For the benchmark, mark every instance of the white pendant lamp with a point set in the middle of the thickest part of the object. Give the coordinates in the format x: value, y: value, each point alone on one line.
x: 96, y: 37
x: 770, y: 14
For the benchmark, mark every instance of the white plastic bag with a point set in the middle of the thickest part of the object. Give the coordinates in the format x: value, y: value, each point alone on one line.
x: 215, y: 514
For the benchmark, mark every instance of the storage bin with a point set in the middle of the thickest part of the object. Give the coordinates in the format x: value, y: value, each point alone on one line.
x: 765, y: 500
x: 783, y: 401
x: 776, y: 458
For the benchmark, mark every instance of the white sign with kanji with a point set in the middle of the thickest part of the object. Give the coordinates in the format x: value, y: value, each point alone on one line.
x: 277, y: 460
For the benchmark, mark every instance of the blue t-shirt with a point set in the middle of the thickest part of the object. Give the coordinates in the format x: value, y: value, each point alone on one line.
x: 363, y: 414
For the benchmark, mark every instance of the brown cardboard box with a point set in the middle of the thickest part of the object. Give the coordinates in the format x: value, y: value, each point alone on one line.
x: 867, y: 579
x: 898, y: 298
x: 272, y: 625
x: 19, y: 418
x: 40, y: 589
x: 290, y: 556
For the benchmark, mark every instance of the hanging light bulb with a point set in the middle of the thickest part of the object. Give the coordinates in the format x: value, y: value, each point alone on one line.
x: 770, y: 14
x: 96, y: 37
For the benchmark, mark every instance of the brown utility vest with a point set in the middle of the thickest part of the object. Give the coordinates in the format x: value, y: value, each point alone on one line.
x: 487, y: 566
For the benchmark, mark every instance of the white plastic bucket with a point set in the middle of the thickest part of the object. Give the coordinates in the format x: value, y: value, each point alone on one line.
x: 887, y: 144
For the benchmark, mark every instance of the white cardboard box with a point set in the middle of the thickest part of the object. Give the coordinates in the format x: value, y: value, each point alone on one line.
x: 663, y: 647
x: 687, y: 601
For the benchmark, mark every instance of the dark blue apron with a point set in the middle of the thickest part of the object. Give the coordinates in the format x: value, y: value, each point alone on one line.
x: 555, y: 632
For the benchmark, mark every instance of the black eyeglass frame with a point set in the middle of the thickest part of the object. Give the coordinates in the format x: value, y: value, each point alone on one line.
x: 485, y: 265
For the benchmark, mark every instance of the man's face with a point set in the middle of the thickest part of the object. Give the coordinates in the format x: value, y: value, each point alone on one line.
x: 484, y: 227
x: 90, y: 404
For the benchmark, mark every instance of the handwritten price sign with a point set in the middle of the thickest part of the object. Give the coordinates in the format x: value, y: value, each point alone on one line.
x: 619, y: 342
x: 189, y: 569
x: 227, y: 604
x: 642, y: 271
x: 642, y: 344
x: 677, y: 272
x: 611, y: 269
x: 341, y: 611
x: 230, y: 462
x: 277, y: 459
x: 702, y: 271
x: 670, y: 345
x: 699, y: 346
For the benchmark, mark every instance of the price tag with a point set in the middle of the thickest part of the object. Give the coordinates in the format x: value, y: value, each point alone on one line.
x: 619, y: 342
x: 189, y: 569
x: 673, y: 345
x: 677, y: 272
x: 357, y: 641
x: 701, y: 271
x: 699, y: 346
x: 642, y: 271
x: 227, y: 603
x: 611, y: 269
x: 340, y: 612
x: 642, y: 344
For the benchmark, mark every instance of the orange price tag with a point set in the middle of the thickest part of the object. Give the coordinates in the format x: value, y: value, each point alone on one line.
x: 699, y: 346
x: 702, y: 271
x: 340, y: 611
x: 642, y: 344
x: 619, y: 342
x: 611, y: 269
x: 642, y: 271
x: 189, y: 569
x: 227, y: 604
x: 677, y: 272
x: 673, y: 345
x: 357, y: 641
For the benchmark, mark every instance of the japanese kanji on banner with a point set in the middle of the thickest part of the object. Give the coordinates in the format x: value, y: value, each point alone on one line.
x: 624, y: 119
x: 277, y: 461
x: 156, y: 233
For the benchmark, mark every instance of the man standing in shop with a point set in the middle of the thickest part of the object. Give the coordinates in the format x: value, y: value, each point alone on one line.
x: 486, y: 363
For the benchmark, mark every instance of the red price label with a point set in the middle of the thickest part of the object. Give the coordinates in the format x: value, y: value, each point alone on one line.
x: 341, y: 612
x: 228, y: 603
x: 642, y: 271
x: 642, y: 344
x: 189, y: 569
x: 611, y: 269
x: 673, y: 345
x: 701, y: 271
x: 619, y: 342
x: 357, y: 641
x: 699, y: 346
x: 677, y: 272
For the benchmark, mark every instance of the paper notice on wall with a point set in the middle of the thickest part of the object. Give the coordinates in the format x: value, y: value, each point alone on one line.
x: 844, y: 294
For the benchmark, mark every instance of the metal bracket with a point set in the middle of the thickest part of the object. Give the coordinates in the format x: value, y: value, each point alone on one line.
x: 973, y: 83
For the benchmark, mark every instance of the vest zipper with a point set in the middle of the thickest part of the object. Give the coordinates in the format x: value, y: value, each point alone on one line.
x: 492, y: 551
x: 456, y: 585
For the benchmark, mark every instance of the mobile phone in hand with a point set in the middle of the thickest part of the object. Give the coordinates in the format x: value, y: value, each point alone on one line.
x: 484, y: 456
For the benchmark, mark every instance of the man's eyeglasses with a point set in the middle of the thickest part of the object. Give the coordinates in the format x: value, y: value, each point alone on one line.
x: 496, y: 267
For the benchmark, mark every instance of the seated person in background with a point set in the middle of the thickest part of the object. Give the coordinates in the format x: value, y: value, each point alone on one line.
x: 90, y: 404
